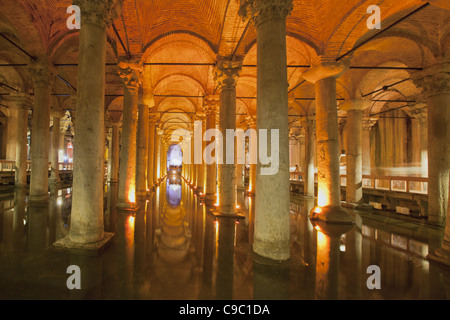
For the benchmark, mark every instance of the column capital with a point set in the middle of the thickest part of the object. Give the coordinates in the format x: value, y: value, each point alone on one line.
x: 325, y: 67
x: 20, y: 100
x: 227, y: 72
x: 57, y: 114
x: 99, y: 12
x: 368, y: 123
x: 419, y: 112
x: 131, y: 72
x: 41, y: 72
x: 435, y: 79
x: 251, y: 121
x: 263, y: 10
x: 210, y: 103
x: 354, y: 104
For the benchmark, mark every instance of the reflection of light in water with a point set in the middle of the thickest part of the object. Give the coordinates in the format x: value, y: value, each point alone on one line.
x: 173, y: 194
x: 129, y: 230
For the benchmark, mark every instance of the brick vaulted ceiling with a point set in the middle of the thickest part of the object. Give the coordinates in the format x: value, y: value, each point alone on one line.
x: 197, y: 31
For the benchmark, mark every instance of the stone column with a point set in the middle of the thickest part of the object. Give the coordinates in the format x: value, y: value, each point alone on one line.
x: 420, y: 114
x: 42, y: 77
x: 434, y: 81
x: 87, y: 199
x: 21, y: 103
x: 157, y: 172
x: 55, y: 146
x: 272, y: 230
x: 211, y: 103
x: 324, y: 75
x: 309, y: 185
x: 367, y: 125
x: 354, y: 109
x: 130, y: 73
x: 142, y: 150
x: 201, y: 166
x: 115, y: 149
x: 226, y: 74
x: 252, y: 148
x: 151, y: 152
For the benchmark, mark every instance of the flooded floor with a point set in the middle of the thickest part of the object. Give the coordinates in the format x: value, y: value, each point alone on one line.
x: 172, y: 248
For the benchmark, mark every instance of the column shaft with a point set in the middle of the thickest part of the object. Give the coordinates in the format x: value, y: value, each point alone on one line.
x: 142, y: 151
x: 151, y: 154
x: 354, y: 156
x: 309, y: 159
x: 54, y: 174
x: 272, y: 229
x: 210, y: 168
x: 87, y: 198
x: 40, y: 134
x: 127, y: 169
x: 115, y: 149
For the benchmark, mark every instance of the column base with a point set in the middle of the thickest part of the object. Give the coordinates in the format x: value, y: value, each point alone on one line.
x: 441, y: 255
x: 223, y: 215
x: 331, y: 214
x: 127, y: 206
x: 93, y: 248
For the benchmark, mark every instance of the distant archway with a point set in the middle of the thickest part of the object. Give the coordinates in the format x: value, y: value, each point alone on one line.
x: 174, y: 159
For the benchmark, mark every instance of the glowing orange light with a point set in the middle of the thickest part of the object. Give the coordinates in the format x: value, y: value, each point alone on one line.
x: 131, y: 221
x: 238, y: 206
x: 317, y: 210
x: 132, y: 196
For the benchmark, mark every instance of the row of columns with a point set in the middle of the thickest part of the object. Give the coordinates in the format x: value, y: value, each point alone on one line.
x: 272, y: 230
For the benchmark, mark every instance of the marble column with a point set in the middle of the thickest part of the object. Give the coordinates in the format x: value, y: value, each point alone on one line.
x: 42, y: 77
x: 151, y: 152
x: 434, y: 81
x: 87, y: 228
x: 252, y: 156
x: 420, y: 114
x: 226, y: 74
x: 55, y: 146
x: 158, y: 153
x: 21, y: 103
x: 201, y: 166
x: 142, y: 150
x: 354, y: 109
x: 272, y: 205
x: 324, y: 74
x: 130, y: 73
x: 309, y: 185
x: 211, y: 104
x: 367, y: 125
x: 115, y: 149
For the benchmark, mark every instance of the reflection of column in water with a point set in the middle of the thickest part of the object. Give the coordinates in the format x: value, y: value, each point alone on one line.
x: 91, y: 276
x: 270, y: 282
x: 197, y: 233
x: 54, y: 212
x: 327, y: 261
x: 140, y: 244
x: 251, y: 219
x: 150, y: 223
x: 352, y: 258
x: 225, y: 258
x: 110, y: 218
x: 208, y: 255
x: 19, y: 217
x: 309, y: 244
x: 37, y: 224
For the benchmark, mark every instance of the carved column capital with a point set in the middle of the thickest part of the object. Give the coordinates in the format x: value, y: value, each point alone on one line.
x: 251, y: 121
x: 99, y: 12
x: 42, y: 72
x: 434, y: 80
x: 131, y: 72
x: 227, y: 72
x: 20, y: 100
x: 263, y: 10
x: 368, y: 123
x: 210, y: 104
